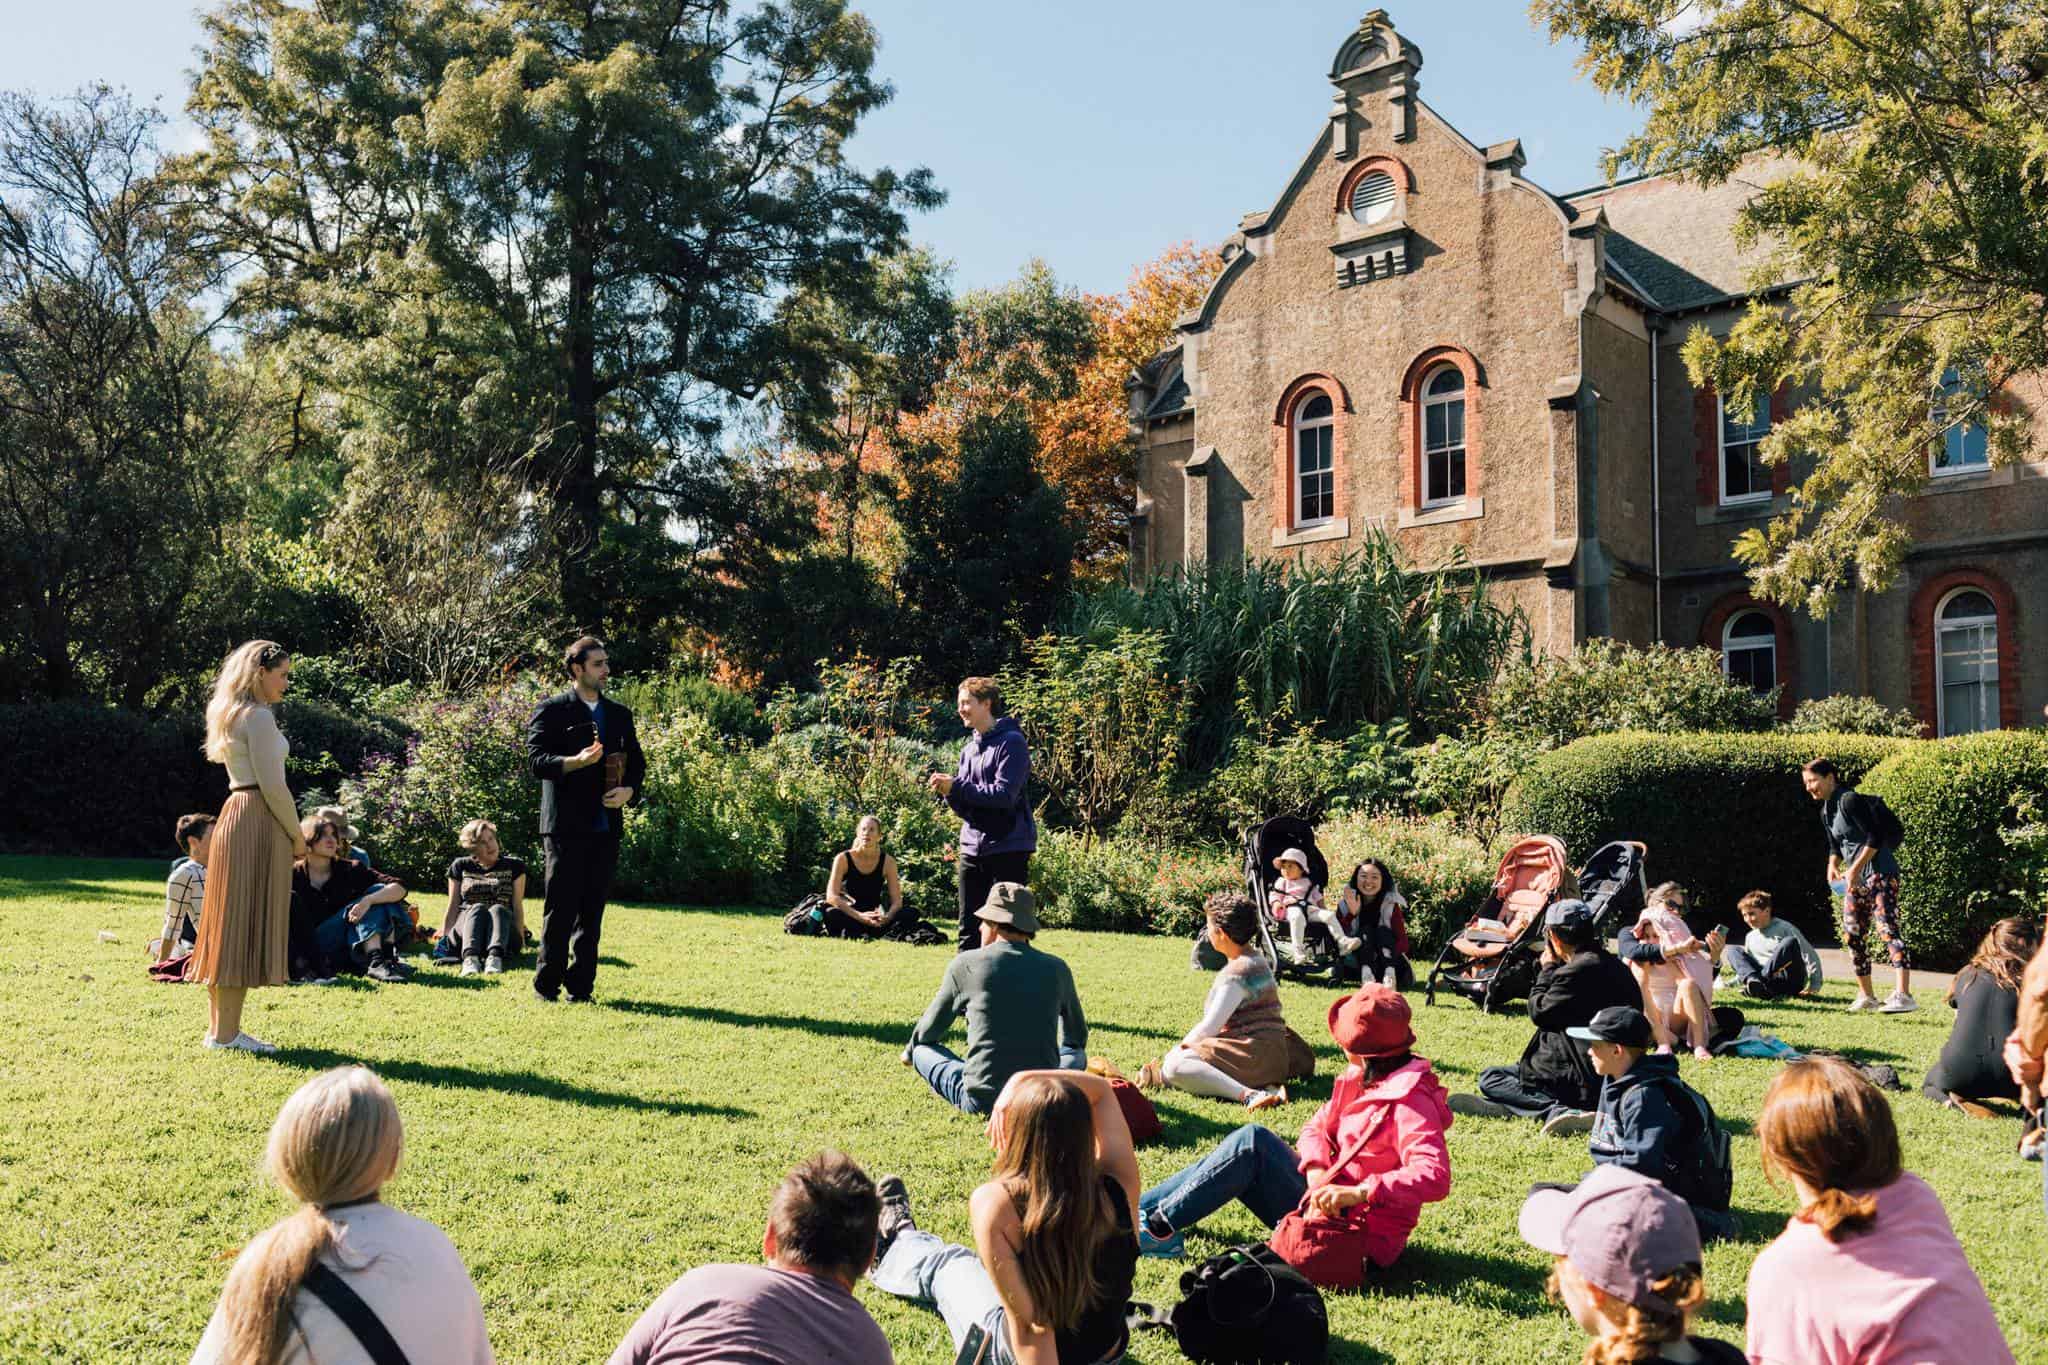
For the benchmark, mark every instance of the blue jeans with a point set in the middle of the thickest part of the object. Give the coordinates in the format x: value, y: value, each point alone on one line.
x: 1254, y: 1164
x: 947, y: 1074
x: 920, y: 1266
x: 336, y: 936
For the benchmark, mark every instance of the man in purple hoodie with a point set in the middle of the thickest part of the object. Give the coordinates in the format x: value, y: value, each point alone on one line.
x: 987, y: 793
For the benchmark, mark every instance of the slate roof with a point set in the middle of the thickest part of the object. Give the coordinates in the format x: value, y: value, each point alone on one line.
x: 1172, y: 399
x: 1677, y: 240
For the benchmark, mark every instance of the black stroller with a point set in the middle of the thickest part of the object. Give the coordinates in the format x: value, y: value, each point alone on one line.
x: 1266, y: 843
x: 1495, y: 968
x: 1615, y: 882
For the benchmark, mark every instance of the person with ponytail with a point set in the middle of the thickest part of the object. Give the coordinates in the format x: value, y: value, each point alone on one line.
x: 1626, y: 1266
x: 335, y: 1145
x: 245, y: 919
x: 1055, y: 1251
x: 1869, y: 1270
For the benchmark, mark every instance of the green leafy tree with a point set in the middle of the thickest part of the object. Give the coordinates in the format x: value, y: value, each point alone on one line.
x: 1913, y: 206
x: 554, y: 239
x: 1104, y: 722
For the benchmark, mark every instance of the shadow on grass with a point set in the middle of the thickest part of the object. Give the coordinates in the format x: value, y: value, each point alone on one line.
x: 505, y: 1082
x: 446, y: 979
x: 1185, y: 1127
x: 891, y: 1035
x: 1513, y: 1283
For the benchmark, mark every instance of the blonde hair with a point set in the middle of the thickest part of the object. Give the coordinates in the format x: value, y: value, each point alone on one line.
x: 234, y: 691
x: 1642, y: 1332
x: 337, y: 1140
x: 473, y: 831
x: 1048, y: 1165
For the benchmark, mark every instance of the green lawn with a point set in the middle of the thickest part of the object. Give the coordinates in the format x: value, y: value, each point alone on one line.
x: 581, y: 1158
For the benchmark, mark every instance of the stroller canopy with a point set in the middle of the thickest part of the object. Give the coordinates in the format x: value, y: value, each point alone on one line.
x: 1530, y: 874
x: 1612, y: 883
x: 1274, y: 838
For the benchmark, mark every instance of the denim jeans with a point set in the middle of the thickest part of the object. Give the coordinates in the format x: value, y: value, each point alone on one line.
x: 1506, y: 1085
x: 947, y: 1074
x: 919, y: 1265
x: 1780, y: 978
x: 336, y: 936
x: 1254, y: 1164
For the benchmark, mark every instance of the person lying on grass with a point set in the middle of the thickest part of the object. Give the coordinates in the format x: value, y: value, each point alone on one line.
x: 1049, y: 1278
x: 335, y: 1145
x: 820, y: 1239
x: 1351, y: 1193
x: 1241, y: 1048
x: 1626, y: 1265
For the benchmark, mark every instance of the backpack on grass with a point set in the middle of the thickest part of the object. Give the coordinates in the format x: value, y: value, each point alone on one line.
x: 1246, y: 1306
x: 807, y: 918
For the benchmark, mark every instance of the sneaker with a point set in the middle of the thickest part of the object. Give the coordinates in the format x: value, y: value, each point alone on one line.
x: 1898, y: 1002
x: 1348, y: 946
x: 241, y: 1042
x: 1862, y: 1003
x: 472, y: 966
x: 1166, y: 1248
x: 895, y: 1212
x: 494, y: 964
x: 1266, y: 1099
x: 1479, y: 1107
x: 384, y: 969
x: 1569, y: 1123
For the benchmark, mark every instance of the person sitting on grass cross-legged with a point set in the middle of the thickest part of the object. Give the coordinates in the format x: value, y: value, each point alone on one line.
x: 820, y: 1240
x: 1022, y: 1012
x: 1241, y: 1048
x: 1653, y: 1123
x: 1368, y: 1161
x: 1555, y: 1083
x: 1774, y: 962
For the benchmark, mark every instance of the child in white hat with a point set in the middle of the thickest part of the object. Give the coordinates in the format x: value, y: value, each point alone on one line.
x: 1296, y: 899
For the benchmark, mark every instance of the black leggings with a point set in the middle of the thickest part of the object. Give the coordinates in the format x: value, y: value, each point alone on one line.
x: 977, y: 874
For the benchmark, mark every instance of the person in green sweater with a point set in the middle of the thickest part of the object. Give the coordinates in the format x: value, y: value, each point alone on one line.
x: 1775, y: 962
x: 1022, y: 1012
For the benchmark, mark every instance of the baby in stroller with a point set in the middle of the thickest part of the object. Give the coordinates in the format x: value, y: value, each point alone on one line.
x: 1295, y: 900
x: 1681, y: 986
x: 1375, y: 913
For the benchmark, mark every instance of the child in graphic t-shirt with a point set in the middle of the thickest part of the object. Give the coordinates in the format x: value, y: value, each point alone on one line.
x: 486, y: 919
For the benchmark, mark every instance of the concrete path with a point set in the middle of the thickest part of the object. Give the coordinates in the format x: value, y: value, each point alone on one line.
x: 1928, y: 987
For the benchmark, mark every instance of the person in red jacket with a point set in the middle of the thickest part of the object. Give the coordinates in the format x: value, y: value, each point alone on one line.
x: 1368, y: 1161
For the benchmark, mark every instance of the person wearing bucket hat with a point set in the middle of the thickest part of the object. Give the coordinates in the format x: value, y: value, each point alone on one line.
x: 1627, y: 1267
x: 1351, y: 1191
x: 1022, y: 1011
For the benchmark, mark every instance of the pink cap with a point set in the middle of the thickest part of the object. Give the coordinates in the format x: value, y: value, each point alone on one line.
x: 1621, y: 1230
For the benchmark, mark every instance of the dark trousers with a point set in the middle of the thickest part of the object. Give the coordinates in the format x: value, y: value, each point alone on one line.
x: 977, y: 874
x: 1781, y: 978
x: 580, y: 870
x: 1507, y: 1085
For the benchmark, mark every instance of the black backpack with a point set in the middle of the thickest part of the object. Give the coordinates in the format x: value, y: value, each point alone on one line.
x: 1246, y: 1306
x: 1883, y: 821
x: 808, y: 917
x: 1709, y: 1180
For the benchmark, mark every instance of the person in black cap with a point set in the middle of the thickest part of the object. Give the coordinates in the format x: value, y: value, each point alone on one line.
x: 1555, y: 1083
x: 1653, y: 1123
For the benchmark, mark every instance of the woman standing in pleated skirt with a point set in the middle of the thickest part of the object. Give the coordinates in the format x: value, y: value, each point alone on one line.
x: 245, y: 920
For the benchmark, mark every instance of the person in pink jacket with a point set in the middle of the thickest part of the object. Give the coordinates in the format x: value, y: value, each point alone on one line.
x: 1352, y: 1191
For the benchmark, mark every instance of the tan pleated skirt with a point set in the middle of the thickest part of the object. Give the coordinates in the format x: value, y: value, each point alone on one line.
x: 245, y: 921
x: 1260, y: 1060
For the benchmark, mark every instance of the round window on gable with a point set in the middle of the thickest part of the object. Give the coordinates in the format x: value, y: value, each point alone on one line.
x: 1372, y: 199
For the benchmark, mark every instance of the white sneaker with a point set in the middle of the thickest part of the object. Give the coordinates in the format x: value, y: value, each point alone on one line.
x: 472, y: 967
x: 1348, y: 946
x: 1862, y: 1003
x: 1898, y: 1002
x: 241, y: 1042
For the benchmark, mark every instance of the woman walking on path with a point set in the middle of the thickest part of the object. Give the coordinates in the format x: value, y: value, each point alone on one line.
x: 245, y: 920
x: 987, y: 792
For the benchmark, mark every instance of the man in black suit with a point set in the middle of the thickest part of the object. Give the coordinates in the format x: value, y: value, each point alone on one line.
x: 585, y: 752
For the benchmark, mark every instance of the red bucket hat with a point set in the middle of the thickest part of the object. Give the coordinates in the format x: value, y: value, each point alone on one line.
x: 1372, y: 1021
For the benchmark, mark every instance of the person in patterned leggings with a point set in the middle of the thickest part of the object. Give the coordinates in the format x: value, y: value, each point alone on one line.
x: 1865, y: 879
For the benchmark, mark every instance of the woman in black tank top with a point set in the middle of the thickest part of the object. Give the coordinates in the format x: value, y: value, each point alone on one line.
x: 854, y: 897
x: 1054, y: 1275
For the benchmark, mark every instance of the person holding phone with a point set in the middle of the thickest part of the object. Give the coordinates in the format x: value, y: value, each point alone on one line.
x: 584, y: 751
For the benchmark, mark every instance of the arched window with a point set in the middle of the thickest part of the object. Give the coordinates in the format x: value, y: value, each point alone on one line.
x: 1962, y: 448
x: 1443, y: 437
x: 1966, y: 662
x: 1372, y: 198
x: 1749, y: 650
x: 1315, y: 477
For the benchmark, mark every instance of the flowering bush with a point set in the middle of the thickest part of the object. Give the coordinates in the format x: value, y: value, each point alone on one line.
x: 1444, y: 872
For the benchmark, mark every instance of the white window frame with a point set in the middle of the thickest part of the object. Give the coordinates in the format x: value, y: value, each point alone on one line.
x: 1988, y: 682
x: 1462, y: 448
x: 1296, y: 475
x: 1752, y: 644
x: 1937, y: 415
x: 1722, y: 443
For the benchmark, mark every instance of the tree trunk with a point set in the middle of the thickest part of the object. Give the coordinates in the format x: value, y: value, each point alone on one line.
x: 580, y: 508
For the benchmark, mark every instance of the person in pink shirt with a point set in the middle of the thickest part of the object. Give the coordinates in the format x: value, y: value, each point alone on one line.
x: 1869, y: 1270
x: 1351, y: 1192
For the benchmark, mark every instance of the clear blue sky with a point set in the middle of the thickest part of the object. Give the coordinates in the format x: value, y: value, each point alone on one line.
x: 1092, y: 133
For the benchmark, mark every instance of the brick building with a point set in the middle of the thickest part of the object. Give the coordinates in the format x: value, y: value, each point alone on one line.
x: 1416, y: 338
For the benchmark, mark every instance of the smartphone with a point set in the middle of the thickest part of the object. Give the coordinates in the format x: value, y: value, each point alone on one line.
x: 973, y: 1347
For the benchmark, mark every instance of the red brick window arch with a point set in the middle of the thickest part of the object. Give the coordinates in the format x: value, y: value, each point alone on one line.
x: 1440, y: 420
x: 1966, y: 655
x: 1310, y: 481
x: 1375, y: 190
x: 1754, y: 639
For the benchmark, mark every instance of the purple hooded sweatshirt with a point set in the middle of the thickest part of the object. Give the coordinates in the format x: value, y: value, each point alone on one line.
x: 988, y: 793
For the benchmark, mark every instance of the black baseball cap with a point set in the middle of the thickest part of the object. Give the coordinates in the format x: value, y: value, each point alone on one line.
x: 1616, y: 1024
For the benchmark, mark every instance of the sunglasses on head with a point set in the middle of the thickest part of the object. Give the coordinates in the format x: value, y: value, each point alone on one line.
x: 271, y: 656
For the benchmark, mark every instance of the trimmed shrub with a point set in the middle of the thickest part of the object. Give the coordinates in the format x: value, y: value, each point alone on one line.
x: 1722, y: 814
x: 1957, y: 799
x: 1842, y: 715
x: 1444, y: 872
x: 1126, y: 884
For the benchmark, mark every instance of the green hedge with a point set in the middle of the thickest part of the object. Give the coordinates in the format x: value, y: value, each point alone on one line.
x: 1721, y: 813
x: 1954, y: 798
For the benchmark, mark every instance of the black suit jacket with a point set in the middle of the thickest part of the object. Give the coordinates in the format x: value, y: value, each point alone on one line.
x: 560, y: 728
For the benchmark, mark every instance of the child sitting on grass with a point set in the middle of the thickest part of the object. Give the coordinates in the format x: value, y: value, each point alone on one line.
x: 185, y: 892
x: 1678, y: 988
